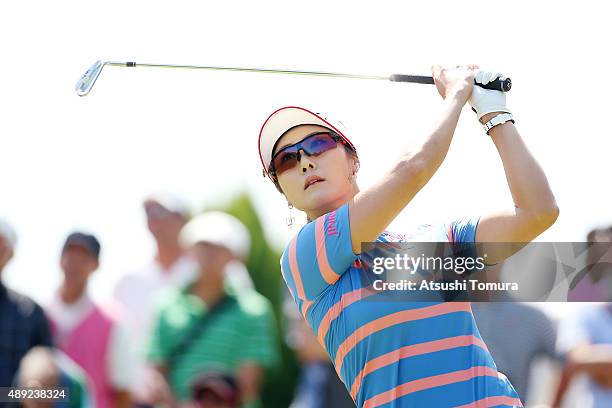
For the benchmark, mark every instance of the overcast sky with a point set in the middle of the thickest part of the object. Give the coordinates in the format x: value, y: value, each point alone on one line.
x: 68, y: 162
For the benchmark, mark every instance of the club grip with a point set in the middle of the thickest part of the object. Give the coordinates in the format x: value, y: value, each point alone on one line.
x: 503, y: 85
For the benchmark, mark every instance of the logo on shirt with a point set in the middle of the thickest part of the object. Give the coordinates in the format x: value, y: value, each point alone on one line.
x: 331, y: 225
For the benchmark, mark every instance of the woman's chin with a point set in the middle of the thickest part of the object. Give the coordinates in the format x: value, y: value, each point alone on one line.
x: 320, y: 198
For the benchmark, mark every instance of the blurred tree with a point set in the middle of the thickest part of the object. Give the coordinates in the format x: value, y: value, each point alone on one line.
x: 264, y: 266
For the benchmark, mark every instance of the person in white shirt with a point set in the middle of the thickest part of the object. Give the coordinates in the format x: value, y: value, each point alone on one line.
x: 170, y: 268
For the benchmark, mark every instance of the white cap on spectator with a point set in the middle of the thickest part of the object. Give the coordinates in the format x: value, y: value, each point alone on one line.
x: 220, y: 229
x: 8, y: 233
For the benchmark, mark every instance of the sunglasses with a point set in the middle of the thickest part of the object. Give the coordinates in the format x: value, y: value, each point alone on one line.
x: 313, y: 145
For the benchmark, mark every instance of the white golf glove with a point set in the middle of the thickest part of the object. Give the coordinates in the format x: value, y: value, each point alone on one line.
x: 485, y: 101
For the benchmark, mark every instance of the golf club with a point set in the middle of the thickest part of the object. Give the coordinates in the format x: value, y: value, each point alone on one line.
x: 87, y: 81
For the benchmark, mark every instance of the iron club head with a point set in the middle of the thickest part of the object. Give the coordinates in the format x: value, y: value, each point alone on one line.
x: 88, y: 79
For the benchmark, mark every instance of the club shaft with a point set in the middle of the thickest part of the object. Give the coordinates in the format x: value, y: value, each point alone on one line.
x: 242, y: 69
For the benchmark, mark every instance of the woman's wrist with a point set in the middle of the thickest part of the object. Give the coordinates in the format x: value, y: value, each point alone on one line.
x: 459, y: 95
x: 455, y: 101
x: 487, y: 117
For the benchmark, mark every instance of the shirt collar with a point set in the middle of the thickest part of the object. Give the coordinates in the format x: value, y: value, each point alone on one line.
x: 81, y: 303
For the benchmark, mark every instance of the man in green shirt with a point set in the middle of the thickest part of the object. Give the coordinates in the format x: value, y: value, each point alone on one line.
x: 207, y: 326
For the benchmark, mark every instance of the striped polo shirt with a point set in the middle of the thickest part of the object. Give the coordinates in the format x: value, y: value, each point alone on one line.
x: 242, y: 332
x: 398, y: 353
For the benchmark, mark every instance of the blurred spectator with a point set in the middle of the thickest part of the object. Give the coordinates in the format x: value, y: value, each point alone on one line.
x: 47, y: 369
x: 215, y: 390
x: 596, y: 284
x: 515, y: 333
x: 319, y: 385
x: 88, y: 333
x: 205, y: 326
x: 22, y: 322
x: 171, y: 268
x: 586, y: 337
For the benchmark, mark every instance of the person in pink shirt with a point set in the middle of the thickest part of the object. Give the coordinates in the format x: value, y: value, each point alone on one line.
x: 88, y: 333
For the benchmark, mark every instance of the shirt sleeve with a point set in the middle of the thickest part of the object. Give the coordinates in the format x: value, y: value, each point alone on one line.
x: 461, y: 234
x: 121, y: 359
x: 318, y: 255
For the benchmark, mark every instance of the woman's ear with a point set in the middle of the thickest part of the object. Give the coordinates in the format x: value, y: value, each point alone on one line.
x: 356, y: 166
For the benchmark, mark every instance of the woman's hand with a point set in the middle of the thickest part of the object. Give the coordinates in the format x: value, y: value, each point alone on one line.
x: 454, y: 82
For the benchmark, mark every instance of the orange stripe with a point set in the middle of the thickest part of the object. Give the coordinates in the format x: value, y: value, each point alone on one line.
x: 305, y: 306
x: 346, y: 300
x: 391, y: 320
x: 410, y: 351
x: 295, y: 270
x: 326, y: 271
x: 493, y: 401
x: 429, y: 382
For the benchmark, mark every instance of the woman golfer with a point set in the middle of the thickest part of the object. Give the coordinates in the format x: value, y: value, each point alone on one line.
x: 397, y: 354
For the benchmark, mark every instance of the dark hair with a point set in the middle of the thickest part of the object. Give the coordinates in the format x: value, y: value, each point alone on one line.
x: 86, y: 241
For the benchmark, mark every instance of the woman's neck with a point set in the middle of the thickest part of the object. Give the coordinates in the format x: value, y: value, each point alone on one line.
x: 334, y: 205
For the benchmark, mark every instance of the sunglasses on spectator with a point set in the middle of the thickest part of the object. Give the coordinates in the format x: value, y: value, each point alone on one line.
x: 312, y: 145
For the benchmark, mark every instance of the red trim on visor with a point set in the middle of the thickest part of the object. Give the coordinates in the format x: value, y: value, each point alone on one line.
x: 306, y: 110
